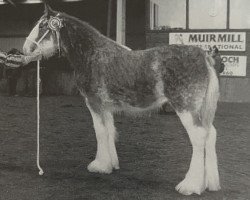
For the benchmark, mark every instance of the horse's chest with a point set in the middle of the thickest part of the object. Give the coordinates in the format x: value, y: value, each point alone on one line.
x: 83, y: 83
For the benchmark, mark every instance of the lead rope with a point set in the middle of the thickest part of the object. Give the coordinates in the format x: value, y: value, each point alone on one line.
x: 54, y: 24
x: 41, y: 172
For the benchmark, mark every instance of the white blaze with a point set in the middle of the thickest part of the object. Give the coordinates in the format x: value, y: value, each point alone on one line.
x: 27, y: 47
x: 43, y: 44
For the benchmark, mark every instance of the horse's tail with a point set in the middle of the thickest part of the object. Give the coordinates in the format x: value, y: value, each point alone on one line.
x: 209, y: 104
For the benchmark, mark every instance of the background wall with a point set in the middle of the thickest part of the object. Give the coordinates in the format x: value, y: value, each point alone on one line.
x: 135, y: 24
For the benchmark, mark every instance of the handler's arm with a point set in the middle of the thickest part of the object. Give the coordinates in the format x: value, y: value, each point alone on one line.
x: 2, y: 57
x: 15, y: 61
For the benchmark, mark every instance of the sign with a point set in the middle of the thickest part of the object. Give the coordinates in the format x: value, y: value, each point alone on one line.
x: 234, y: 65
x: 224, y: 41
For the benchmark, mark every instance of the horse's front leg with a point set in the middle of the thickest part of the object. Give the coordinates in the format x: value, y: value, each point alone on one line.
x: 110, y: 127
x: 106, y: 157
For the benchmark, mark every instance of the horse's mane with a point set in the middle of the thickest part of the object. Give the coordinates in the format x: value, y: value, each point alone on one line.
x: 76, y: 21
x: 93, y: 33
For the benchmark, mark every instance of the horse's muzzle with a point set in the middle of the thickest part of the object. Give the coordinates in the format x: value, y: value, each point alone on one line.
x: 29, y: 47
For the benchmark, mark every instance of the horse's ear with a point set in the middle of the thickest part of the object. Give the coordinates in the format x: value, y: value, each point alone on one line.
x: 47, y: 10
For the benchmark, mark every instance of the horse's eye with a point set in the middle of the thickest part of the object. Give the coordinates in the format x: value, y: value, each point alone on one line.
x: 42, y: 24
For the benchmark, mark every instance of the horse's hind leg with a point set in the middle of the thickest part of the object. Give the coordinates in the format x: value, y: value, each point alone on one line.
x: 102, y: 162
x: 194, y: 181
x: 211, y: 167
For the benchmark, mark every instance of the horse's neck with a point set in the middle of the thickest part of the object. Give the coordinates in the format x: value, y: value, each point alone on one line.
x: 80, y: 43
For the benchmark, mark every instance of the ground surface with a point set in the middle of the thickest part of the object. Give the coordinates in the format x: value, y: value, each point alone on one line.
x: 154, y: 153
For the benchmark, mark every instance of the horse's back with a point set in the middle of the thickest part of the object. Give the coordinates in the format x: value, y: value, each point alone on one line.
x: 148, y: 78
x: 177, y: 72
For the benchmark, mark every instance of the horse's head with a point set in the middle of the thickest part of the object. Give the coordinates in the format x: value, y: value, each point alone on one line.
x: 45, y: 36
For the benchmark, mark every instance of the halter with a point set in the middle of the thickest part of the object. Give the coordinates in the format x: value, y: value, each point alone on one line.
x: 54, y: 25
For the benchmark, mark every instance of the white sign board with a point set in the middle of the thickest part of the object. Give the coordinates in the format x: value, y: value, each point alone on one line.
x: 234, y: 65
x: 224, y: 41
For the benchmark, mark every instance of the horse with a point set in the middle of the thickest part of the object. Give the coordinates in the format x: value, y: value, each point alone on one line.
x: 114, y: 79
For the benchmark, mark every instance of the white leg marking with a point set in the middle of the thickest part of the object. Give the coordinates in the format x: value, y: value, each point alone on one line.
x: 194, y: 180
x: 109, y: 124
x: 211, y: 167
x: 102, y: 162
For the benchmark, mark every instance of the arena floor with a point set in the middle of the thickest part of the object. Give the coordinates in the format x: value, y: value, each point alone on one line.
x: 154, y: 153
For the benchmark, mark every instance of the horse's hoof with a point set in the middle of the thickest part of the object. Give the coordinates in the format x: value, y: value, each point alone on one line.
x: 116, y: 166
x: 213, y: 185
x: 212, y: 181
x: 99, y: 167
x: 189, y: 186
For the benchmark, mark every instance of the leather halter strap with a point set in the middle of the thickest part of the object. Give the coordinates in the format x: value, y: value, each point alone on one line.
x: 38, y: 42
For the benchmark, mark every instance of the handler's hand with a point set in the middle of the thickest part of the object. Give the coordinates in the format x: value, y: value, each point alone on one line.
x: 15, y: 61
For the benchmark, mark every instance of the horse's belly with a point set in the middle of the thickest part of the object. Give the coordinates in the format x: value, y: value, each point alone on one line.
x: 136, y: 101
x: 142, y: 94
x: 133, y: 97
x: 137, y: 108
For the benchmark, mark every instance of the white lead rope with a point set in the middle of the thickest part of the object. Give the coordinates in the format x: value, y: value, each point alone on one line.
x: 41, y: 172
x: 53, y: 28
